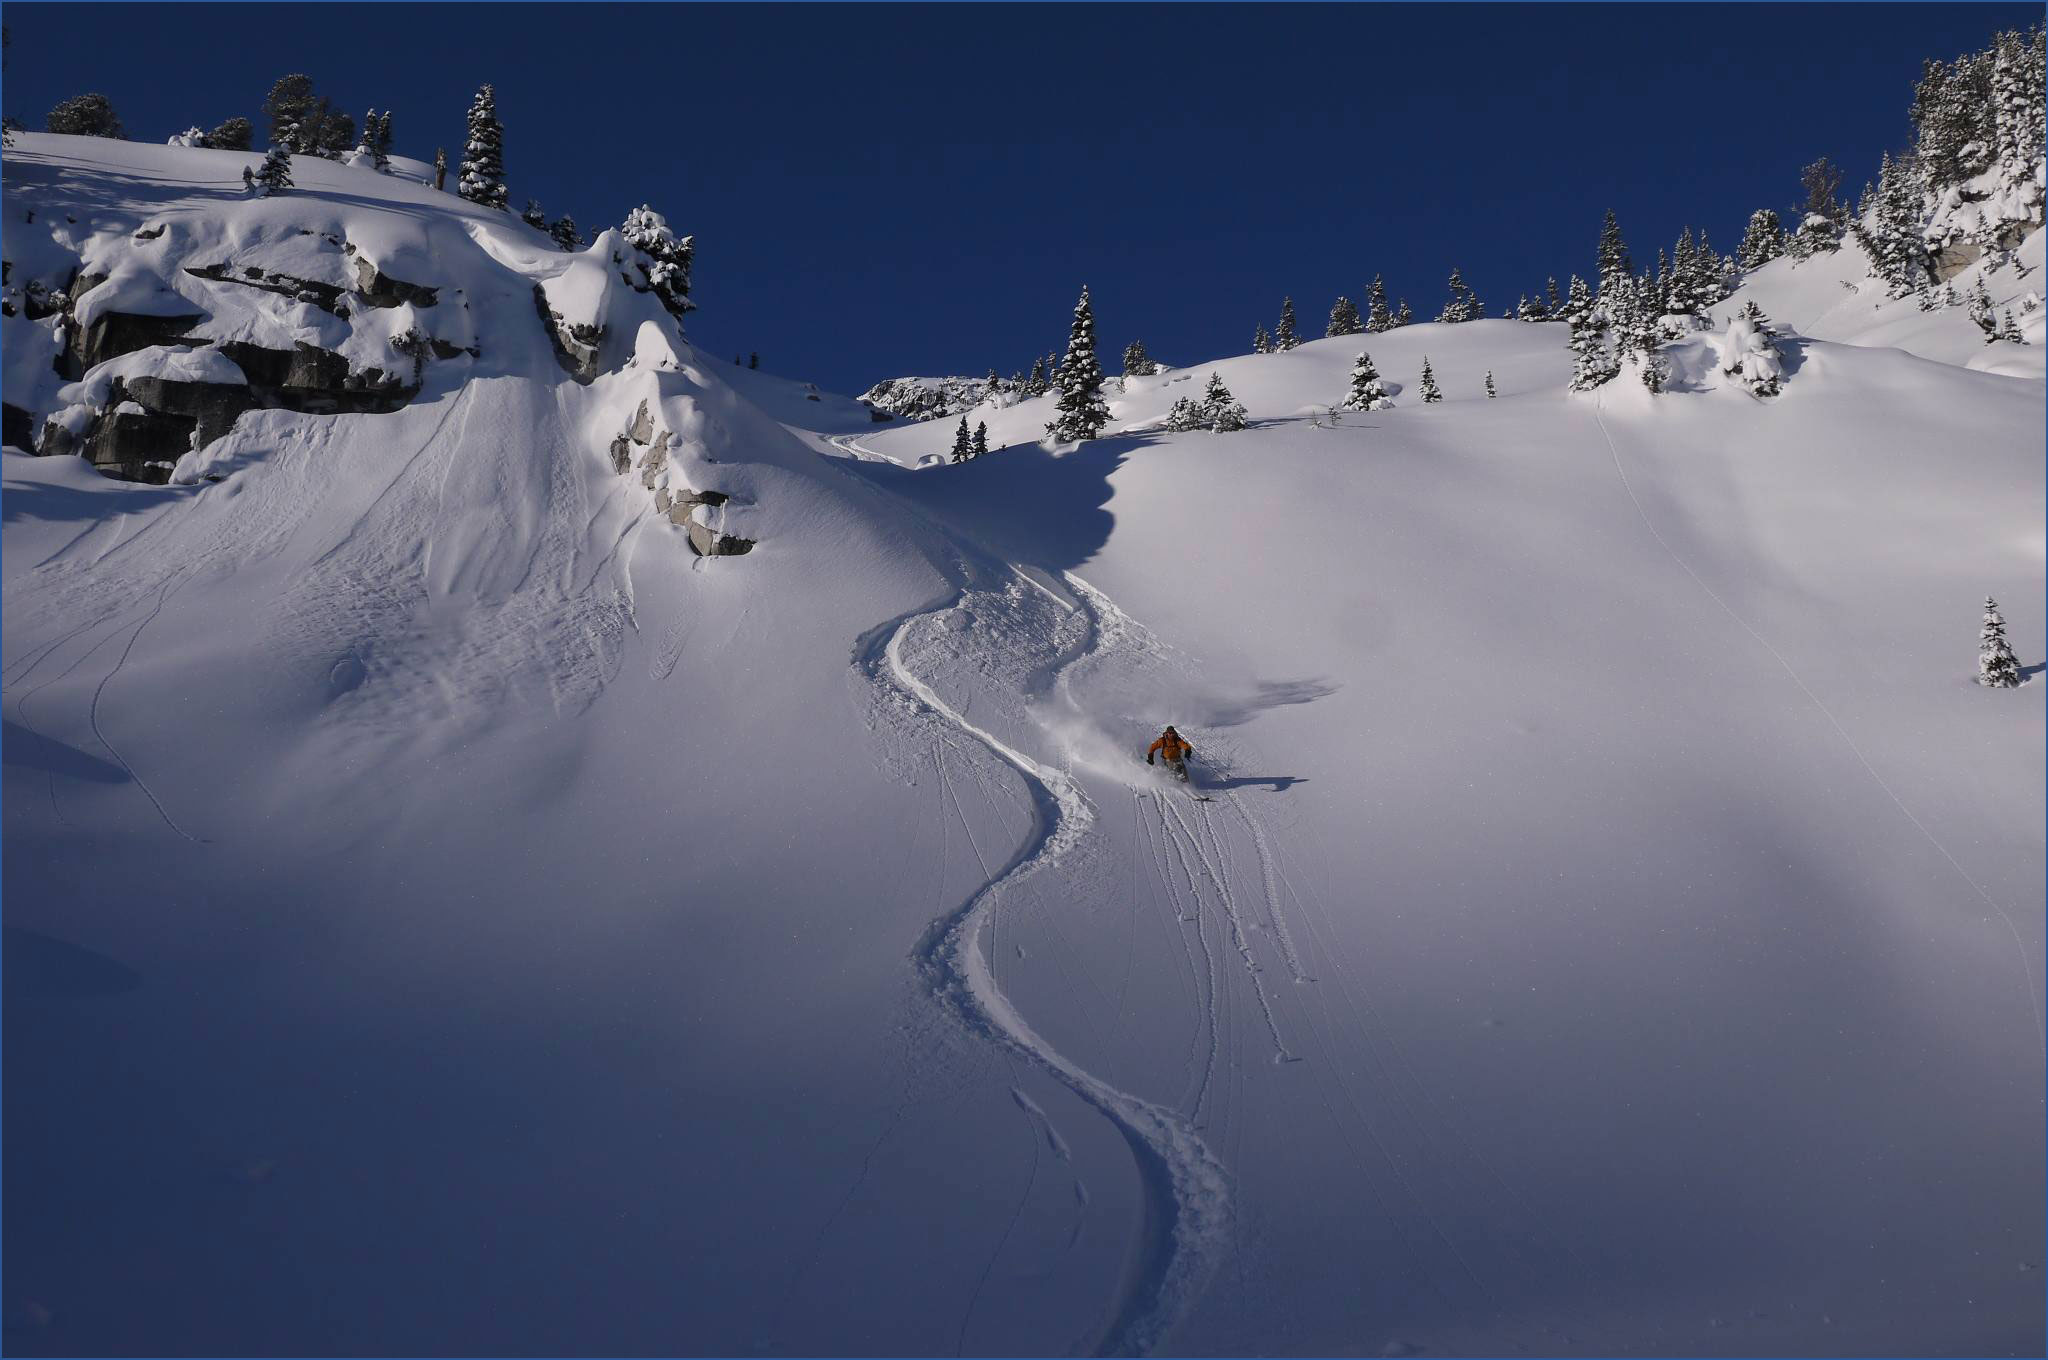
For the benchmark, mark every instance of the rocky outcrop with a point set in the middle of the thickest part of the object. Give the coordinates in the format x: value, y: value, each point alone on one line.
x: 326, y: 296
x: 110, y: 334
x: 129, y: 440
x: 318, y: 381
x: 678, y: 504
x: 379, y: 289
x: 577, y: 347
x: 925, y: 398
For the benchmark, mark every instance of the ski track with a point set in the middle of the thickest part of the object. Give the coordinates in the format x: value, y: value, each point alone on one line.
x: 1181, y: 1181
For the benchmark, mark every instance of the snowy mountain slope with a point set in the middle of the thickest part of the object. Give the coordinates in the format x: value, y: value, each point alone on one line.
x: 511, y: 931
x: 1832, y: 296
x: 1625, y: 811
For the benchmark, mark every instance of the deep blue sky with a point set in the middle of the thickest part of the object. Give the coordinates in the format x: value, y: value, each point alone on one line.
x: 879, y: 190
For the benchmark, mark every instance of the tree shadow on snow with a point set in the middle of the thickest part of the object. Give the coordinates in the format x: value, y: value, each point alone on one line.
x: 39, y: 965
x: 58, y: 503
x: 27, y: 749
x: 1021, y: 502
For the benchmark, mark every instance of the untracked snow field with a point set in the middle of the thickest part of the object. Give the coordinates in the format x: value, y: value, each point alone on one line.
x: 446, y: 915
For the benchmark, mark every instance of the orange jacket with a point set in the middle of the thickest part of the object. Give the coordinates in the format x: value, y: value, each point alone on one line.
x: 1171, y: 745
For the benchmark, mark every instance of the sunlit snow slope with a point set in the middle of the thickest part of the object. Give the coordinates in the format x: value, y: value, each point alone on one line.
x: 444, y: 913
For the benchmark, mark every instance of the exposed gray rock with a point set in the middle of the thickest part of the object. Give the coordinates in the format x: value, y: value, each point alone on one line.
x: 577, y: 348
x: 212, y: 407
x: 308, y: 378
x: 113, y: 334
x: 379, y: 289
x: 710, y: 543
x: 326, y: 296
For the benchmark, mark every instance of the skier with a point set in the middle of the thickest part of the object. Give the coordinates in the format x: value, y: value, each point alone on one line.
x: 1176, y: 751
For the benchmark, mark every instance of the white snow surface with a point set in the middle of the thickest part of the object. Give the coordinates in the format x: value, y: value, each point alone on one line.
x: 444, y: 914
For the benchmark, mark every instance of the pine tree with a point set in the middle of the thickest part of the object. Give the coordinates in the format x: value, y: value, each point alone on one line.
x: 1429, y: 388
x: 1402, y: 316
x: 1533, y: 308
x: 1613, y: 251
x: 1284, y: 337
x: 532, y: 215
x: 1592, y: 362
x: 1997, y: 667
x: 286, y: 106
x: 1034, y: 385
x: 564, y: 234
x: 1463, y: 306
x: 1221, y: 412
x: 383, y: 142
x: 276, y: 173
x: 1082, y: 411
x: 1378, y: 318
x: 1261, y: 343
x: 1184, y: 416
x: 753, y: 359
x: 1981, y: 311
x: 1489, y: 384
x: 963, y: 439
x: 236, y: 134
x: 1763, y: 242
x: 1367, y: 393
x: 1707, y: 286
x: 1578, y: 303
x: 980, y: 444
x: 665, y: 258
x: 483, y: 158
x: 1344, y: 318
x: 1137, y: 363
x: 2012, y: 332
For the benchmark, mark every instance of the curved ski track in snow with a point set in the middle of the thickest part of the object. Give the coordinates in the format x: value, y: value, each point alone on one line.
x: 1183, y: 1184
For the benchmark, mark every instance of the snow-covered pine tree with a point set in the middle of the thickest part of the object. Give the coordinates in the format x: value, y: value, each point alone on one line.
x: 1592, y: 362
x: 366, y: 142
x: 1221, y: 412
x: 1659, y: 286
x: 1893, y: 237
x: 1613, y: 251
x: 1344, y: 318
x: 1034, y: 384
x: 1137, y: 363
x: 1082, y: 411
x: 1981, y: 311
x: 235, y: 134
x: 286, y: 106
x: 1284, y: 337
x: 1429, y: 388
x: 665, y: 257
x: 1707, y: 288
x: 276, y: 173
x: 1553, y: 304
x: 1532, y: 309
x: 1763, y: 242
x: 1489, y: 384
x: 533, y: 216
x: 1367, y: 393
x: 1184, y: 416
x: 963, y: 439
x: 1997, y: 667
x: 483, y: 157
x: 1261, y: 342
x: 1578, y: 303
x: 564, y: 234
x: 382, y: 145
x: 2011, y: 331
x: 980, y: 444
x: 1377, y: 317
x: 1402, y: 316
x: 1463, y: 306
x: 1751, y: 351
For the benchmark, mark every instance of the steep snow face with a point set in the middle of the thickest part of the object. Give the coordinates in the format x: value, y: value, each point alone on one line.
x: 1610, y: 851
x: 1612, y: 883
